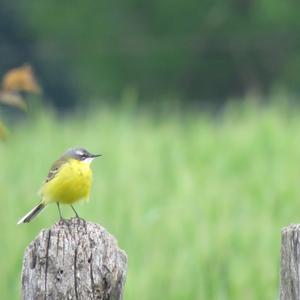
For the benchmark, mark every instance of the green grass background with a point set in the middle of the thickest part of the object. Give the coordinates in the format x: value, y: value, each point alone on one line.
x: 197, y: 200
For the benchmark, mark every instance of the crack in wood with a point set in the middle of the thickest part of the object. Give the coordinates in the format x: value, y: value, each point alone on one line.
x: 90, y: 260
x: 46, y: 266
x: 75, y: 271
x: 92, y: 276
x: 57, y: 242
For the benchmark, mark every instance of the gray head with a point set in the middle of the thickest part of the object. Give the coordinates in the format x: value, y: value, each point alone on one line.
x: 80, y: 154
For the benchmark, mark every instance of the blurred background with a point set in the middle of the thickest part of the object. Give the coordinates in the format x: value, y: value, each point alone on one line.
x: 201, y: 52
x: 194, y: 106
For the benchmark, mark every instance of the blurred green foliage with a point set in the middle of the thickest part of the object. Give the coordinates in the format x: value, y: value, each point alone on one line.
x: 195, y: 50
x: 197, y: 201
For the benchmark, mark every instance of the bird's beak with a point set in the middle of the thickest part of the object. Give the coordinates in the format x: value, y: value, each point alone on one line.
x: 95, y: 155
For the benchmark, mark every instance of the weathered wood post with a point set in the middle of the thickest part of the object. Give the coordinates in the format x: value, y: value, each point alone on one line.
x: 75, y: 259
x: 290, y: 263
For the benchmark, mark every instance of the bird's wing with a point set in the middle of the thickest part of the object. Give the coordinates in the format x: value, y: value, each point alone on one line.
x: 55, y: 169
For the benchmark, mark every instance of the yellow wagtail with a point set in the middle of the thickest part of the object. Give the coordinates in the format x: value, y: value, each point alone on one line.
x: 69, y: 180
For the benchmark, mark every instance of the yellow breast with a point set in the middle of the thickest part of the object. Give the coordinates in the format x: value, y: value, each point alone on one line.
x: 72, y: 183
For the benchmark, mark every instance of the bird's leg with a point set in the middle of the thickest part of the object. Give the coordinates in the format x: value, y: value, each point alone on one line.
x: 61, y: 218
x: 77, y: 216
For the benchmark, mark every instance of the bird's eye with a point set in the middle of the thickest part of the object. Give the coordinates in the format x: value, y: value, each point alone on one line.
x: 83, y: 156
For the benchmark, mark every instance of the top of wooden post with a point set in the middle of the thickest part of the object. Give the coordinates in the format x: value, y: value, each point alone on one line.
x: 291, y: 227
x: 74, y: 259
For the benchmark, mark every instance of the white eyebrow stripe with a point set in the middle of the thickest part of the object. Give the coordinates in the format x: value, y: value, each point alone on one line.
x: 79, y: 152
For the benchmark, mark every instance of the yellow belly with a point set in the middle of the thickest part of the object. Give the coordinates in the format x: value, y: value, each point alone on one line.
x: 72, y: 183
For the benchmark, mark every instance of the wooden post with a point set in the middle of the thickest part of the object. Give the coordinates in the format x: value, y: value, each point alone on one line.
x: 74, y: 259
x: 290, y: 263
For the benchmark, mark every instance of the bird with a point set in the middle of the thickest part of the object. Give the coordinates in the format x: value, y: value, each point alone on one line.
x: 69, y: 180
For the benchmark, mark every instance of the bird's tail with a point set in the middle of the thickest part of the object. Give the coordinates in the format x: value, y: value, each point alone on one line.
x: 29, y: 216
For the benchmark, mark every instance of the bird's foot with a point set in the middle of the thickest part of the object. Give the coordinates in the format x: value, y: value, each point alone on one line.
x: 62, y: 221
